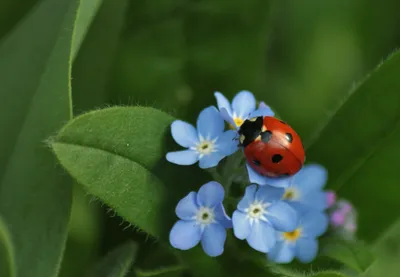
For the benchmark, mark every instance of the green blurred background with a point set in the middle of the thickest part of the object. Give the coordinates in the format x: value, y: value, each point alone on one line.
x: 300, y: 57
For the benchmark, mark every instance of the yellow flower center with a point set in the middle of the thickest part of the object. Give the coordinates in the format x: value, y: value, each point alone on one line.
x: 292, y: 236
x: 238, y: 121
x: 289, y: 194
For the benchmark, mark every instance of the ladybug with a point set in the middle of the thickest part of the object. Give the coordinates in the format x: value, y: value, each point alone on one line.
x: 271, y: 146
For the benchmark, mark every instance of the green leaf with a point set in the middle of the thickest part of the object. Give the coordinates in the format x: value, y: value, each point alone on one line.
x: 359, y: 146
x: 84, y: 235
x: 328, y: 274
x: 162, y: 272
x: 85, y: 15
x: 387, y: 252
x: 92, y: 66
x: 7, y: 258
x: 35, y: 195
x: 118, y: 155
x: 12, y: 11
x: 116, y: 263
x: 113, y: 153
x: 353, y: 254
x: 283, y: 271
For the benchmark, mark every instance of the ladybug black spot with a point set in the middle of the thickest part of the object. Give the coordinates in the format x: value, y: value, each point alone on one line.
x: 256, y: 162
x: 289, y: 137
x: 277, y: 158
x: 266, y: 136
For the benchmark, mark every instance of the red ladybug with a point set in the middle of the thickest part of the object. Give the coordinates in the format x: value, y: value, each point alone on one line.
x: 272, y: 147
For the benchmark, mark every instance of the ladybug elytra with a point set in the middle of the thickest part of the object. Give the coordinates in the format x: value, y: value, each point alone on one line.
x: 271, y: 146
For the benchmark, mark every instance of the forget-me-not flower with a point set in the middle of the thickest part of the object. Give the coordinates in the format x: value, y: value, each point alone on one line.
x: 209, y: 144
x: 301, y: 243
x: 305, y: 188
x: 302, y: 189
x: 243, y: 107
x: 259, y: 214
x: 343, y: 219
x: 202, y: 218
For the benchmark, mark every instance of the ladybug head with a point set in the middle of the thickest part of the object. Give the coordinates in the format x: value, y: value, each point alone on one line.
x: 250, y: 130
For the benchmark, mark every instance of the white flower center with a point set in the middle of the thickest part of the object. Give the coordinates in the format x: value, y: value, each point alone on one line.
x: 205, y: 146
x: 291, y: 194
x: 205, y: 216
x: 257, y: 211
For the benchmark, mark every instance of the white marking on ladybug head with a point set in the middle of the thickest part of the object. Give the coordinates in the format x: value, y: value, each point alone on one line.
x: 242, y: 138
x: 263, y: 128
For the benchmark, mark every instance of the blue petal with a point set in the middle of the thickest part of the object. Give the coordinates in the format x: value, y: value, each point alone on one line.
x: 227, y: 117
x: 213, y: 239
x: 282, y: 217
x: 241, y: 225
x: 187, y: 207
x: 222, y: 217
x: 269, y: 194
x: 297, y: 206
x: 210, y: 160
x: 313, y: 223
x: 227, y: 144
x: 262, y: 237
x: 210, y: 123
x: 210, y: 194
x: 316, y: 200
x: 184, y: 133
x: 265, y: 111
x: 184, y: 157
x: 282, y: 253
x: 254, y: 177
x: 248, y: 198
x: 185, y: 234
x: 262, y: 104
x: 306, y: 250
x: 243, y: 104
x: 222, y: 102
x: 311, y: 177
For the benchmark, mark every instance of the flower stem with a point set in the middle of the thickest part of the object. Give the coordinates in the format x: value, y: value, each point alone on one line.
x: 215, y: 175
x: 231, y: 170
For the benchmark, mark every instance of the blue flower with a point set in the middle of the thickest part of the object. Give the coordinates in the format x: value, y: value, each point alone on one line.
x: 209, y: 144
x: 202, y: 218
x: 301, y: 243
x: 304, y: 189
x: 259, y: 214
x: 256, y: 178
x: 243, y: 107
